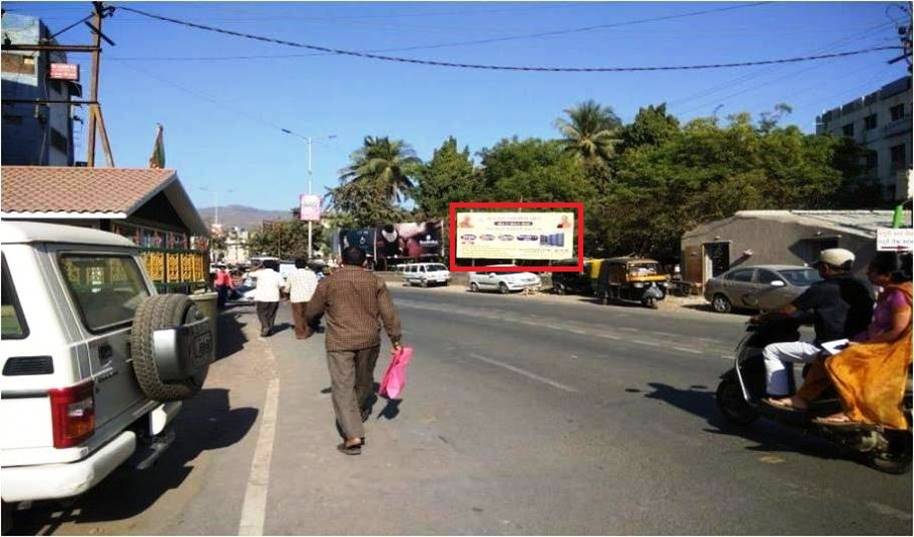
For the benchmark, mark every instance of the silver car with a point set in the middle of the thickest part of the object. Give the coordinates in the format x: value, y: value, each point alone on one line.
x: 762, y: 287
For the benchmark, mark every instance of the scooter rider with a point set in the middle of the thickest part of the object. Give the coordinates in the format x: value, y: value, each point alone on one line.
x: 840, y: 306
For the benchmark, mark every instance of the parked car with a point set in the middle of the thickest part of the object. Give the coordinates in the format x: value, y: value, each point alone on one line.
x: 425, y: 274
x: 578, y: 283
x: 95, y: 363
x: 503, y: 282
x: 761, y: 287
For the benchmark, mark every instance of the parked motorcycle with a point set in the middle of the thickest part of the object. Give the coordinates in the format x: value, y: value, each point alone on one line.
x: 742, y: 388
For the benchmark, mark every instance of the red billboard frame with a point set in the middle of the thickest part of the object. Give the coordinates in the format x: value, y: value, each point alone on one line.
x: 452, y: 235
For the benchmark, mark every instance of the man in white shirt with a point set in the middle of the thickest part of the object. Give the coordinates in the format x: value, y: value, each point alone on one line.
x: 266, y: 296
x: 300, y: 285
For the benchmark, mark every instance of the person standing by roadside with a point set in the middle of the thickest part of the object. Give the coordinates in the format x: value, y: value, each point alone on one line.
x: 300, y: 285
x: 223, y: 285
x: 354, y: 299
x: 266, y: 296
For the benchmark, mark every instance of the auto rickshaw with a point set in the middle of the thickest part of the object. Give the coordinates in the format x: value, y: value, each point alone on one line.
x: 629, y: 278
x: 566, y: 283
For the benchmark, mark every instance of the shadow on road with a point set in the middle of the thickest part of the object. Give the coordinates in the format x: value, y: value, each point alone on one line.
x: 769, y: 436
x: 708, y: 309
x: 206, y: 422
x: 231, y: 332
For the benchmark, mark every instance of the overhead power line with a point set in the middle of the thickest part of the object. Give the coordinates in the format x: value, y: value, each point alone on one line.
x: 436, y: 63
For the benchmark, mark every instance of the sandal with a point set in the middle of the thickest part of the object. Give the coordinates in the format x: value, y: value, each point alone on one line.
x: 836, y: 420
x: 350, y: 450
x: 781, y: 405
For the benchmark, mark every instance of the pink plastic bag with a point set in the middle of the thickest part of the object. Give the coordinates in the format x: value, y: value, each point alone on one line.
x: 395, y: 377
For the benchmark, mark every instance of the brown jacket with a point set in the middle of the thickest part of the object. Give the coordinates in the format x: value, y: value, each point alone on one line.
x: 353, y: 300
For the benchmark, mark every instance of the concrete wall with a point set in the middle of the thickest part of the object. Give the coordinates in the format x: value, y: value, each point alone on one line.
x: 757, y: 241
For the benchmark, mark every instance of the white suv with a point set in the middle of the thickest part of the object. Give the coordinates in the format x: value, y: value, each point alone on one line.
x: 504, y: 282
x: 95, y: 364
x: 426, y: 274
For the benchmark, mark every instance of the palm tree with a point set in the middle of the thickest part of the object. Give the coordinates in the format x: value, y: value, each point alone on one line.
x: 590, y: 131
x: 384, y: 163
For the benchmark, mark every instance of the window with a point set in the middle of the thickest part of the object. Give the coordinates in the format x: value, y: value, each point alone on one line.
x: 766, y: 277
x: 106, y: 289
x: 848, y: 130
x: 898, y: 157
x: 740, y: 275
x: 58, y: 141
x: 12, y: 322
x: 801, y: 277
x: 872, y: 160
x: 897, y: 112
x: 869, y: 122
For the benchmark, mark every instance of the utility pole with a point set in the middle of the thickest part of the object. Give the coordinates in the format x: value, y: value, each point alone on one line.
x: 93, y: 83
x: 310, y: 174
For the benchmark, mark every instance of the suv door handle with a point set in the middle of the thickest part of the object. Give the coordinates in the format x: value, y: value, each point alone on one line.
x: 105, y: 353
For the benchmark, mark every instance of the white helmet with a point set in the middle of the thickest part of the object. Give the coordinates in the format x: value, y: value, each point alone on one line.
x: 836, y: 257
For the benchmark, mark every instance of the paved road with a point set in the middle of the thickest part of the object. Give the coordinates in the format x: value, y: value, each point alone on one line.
x: 522, y: 415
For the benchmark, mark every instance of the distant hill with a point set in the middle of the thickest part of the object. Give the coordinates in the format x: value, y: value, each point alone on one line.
x: 242, y: 216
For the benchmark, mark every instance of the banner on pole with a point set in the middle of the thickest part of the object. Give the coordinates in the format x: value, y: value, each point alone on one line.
x: 894, y: 240
x: 310, y: 208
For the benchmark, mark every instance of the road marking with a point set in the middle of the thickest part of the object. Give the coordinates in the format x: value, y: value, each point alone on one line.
x: 253, y: 510
x: 686, y: 349
x: 890, y: 511
x: 525, y: 373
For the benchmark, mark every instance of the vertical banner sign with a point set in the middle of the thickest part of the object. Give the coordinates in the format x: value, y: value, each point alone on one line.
x: 310, y: 208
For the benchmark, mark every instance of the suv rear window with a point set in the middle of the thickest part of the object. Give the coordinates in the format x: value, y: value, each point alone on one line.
x: 12, y: 324
x: 107, y: 289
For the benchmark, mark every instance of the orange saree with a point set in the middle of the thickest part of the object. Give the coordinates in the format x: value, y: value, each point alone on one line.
x: 871, y: 377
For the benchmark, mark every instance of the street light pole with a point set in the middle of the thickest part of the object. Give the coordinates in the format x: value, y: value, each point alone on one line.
x: 309, y: 193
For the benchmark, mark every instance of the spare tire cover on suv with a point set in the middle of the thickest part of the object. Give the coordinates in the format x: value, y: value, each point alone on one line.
x: 166, y: 312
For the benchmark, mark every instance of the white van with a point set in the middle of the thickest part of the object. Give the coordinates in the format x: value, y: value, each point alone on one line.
x: 425, y: 274
x: 95, y: 364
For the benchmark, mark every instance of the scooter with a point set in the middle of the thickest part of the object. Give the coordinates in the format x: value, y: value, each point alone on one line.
x: 742, y: 388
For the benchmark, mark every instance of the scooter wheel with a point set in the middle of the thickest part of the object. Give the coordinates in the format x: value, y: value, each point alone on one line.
x: 897, y: 459
x: 732, y: 405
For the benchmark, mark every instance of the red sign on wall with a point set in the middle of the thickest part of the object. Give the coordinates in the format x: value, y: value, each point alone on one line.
x: 65, y: 71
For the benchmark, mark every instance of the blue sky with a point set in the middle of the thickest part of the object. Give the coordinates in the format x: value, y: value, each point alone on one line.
x: 222, y: 116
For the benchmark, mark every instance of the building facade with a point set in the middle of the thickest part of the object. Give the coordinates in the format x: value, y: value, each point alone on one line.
x: 34, y: 134
x: 779, y: 238
x: 880, y: 121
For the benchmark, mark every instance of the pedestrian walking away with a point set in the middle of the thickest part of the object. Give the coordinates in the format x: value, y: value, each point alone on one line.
x: 266, y: 296
x: 300, y: 285
x: 356, y: 303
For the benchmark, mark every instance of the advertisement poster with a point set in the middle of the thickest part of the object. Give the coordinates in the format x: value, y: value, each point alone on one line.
x: 515, y: 235
x: 413, y: 240
x: 310, y: 206
x: 363, y: 238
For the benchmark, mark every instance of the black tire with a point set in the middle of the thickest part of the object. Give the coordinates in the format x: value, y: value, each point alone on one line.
x: 559, y: 289
x: 474, y: 287
x: 157, y: 313
x: 423, y: 283
x: 650, y: 302
x: 7, y: 516
x: 732, y: 405
x: 897, y: 459
x: 721, y: 303
x: 503, y: 288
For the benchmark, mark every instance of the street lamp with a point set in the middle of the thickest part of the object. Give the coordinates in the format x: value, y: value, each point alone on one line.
x: 310, y: 175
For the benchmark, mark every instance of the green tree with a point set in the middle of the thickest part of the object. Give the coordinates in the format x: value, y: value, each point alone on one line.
x: 448, y: 176
x: 364, y: 204
x: 384, y: 163
x: 532, y: 170
x: 591, y: 131
x: 285, y: 239
x: 651, y: 126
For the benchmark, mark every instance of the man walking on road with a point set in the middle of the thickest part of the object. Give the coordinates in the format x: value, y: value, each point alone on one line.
x: 300, y: 286
x: 353, y: 300
x: 266, y: 296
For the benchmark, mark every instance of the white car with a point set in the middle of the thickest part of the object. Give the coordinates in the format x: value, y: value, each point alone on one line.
x: 425, y: 274
x: 504, y: 282
x: 95, y: 363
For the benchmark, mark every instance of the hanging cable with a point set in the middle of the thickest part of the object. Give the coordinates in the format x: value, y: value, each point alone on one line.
x: 436, y: 63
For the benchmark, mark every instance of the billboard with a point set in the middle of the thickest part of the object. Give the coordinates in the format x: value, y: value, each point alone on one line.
x: 413, y: 240
x: 309, y: 208
x: 362, y: 238
x: 529, y: 231
x: 515, y: 235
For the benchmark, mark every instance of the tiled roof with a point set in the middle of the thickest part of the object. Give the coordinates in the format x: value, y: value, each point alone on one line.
x: 50, y: 189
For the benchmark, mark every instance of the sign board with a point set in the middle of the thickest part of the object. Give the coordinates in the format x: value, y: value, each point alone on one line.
x: 515, y: 235
x: 895, y: 240
x: 310, y: 206
x: 65, y: 71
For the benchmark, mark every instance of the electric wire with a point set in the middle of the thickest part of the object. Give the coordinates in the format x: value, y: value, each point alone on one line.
x: 436, y: 63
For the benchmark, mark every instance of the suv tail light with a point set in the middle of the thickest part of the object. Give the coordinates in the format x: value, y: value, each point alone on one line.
x: 73, y: 413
